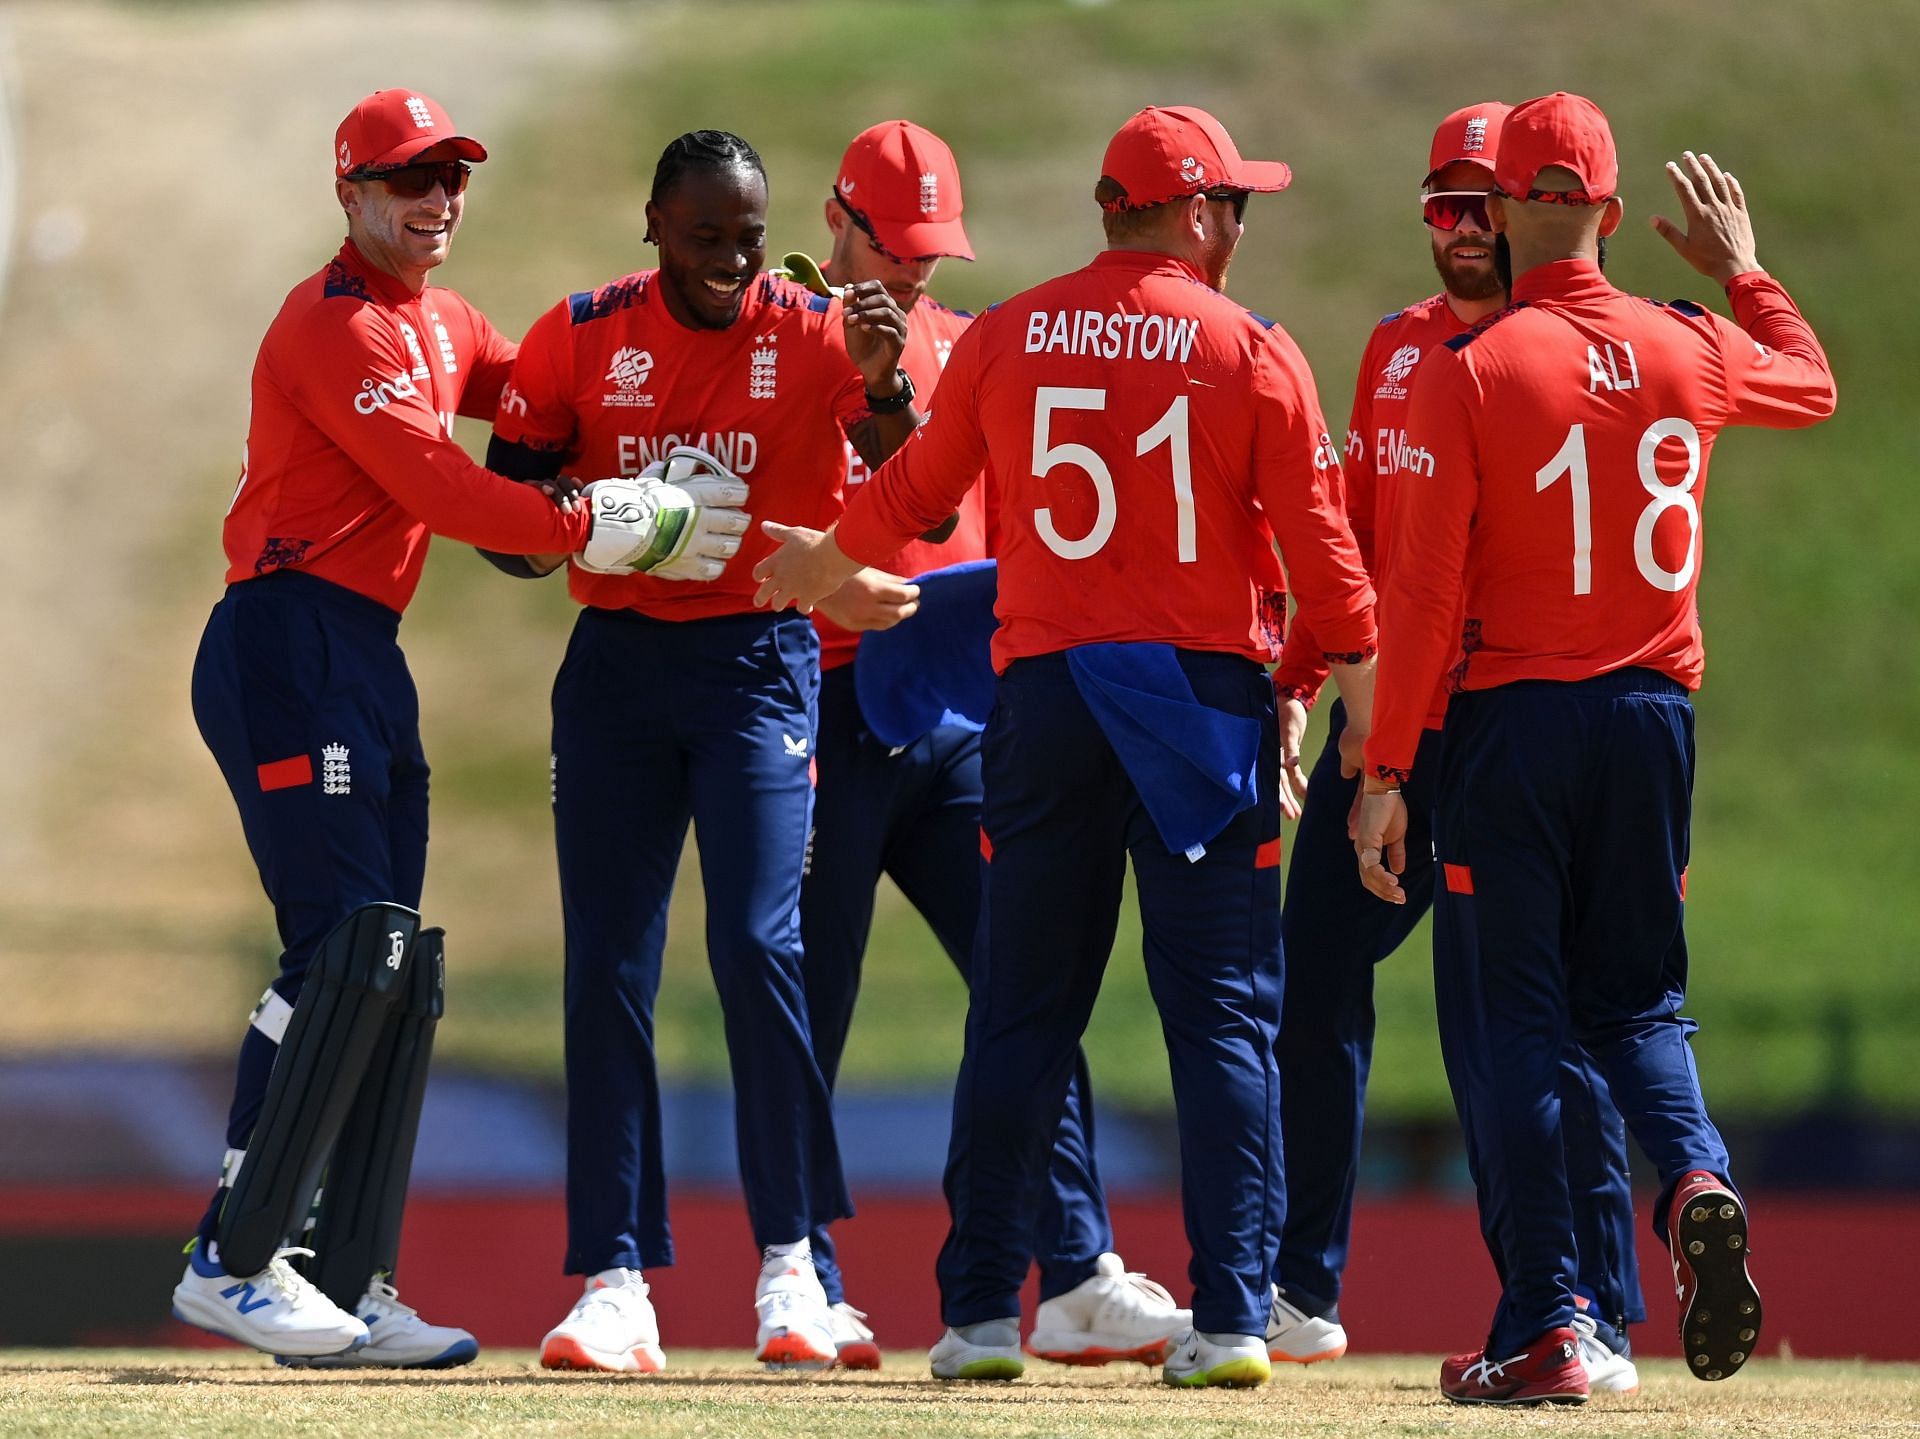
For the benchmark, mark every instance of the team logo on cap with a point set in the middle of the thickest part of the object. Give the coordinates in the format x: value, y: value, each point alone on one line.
x: 422, y: 117
x: 1192, y: 170
x: 1475, y: 139
x: 846, y: 185
x: 346, y: 156
x: 629, y: 370
x: 929, y: 193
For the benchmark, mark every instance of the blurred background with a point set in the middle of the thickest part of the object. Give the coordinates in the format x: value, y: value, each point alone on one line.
x: 164, y: 180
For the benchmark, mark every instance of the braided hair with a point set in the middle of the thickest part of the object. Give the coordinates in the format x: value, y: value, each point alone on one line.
x: 703, y: 150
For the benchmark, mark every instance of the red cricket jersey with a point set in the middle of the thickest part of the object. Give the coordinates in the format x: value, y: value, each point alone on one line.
x: 1146, y: 439
x: 1554, y: 469
x: 1376, y: 431
x: 610, y: 380
x: 350, y: 459
x: 931, y: 330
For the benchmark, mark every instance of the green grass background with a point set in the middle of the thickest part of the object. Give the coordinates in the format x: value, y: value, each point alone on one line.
x: 1804, y: 887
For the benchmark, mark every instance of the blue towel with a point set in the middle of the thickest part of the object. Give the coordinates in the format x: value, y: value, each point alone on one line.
x: 1192, y: 764
x: 936, y: 668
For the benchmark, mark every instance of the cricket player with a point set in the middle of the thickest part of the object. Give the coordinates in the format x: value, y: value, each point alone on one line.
x: 302, y: 694
x: 765, y: 378
x: 1148, y: 440
x: 913, y: 811
x: 1326, y: 1027
x: 1546, y: 547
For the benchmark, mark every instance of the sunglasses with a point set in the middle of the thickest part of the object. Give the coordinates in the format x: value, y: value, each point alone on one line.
x: 1236, y: 198
x: 414, y: 181
x: 1450, y: 209
x: 865, y: 227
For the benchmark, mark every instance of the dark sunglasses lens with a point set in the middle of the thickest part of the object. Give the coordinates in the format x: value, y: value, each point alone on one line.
x: 413, y: 181
x: 1449, y: 212
x: 1235, y: 198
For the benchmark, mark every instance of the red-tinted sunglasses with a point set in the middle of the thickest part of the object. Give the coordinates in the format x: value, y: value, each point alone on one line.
x: 1450, y: 209
x: 414, y: 181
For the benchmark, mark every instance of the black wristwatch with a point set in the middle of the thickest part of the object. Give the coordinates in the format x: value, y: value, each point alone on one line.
x: 893, y: 404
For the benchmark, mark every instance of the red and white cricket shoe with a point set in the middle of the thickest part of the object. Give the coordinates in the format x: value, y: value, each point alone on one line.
x: 1719, y: 1306
x: 612, y: 1328
x: 1547, y: 1371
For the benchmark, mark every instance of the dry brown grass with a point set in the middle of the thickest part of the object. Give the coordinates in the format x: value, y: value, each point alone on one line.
x: 63, y: 1393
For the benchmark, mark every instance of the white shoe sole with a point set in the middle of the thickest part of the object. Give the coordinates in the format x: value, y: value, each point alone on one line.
x: 563, y: 1351
x: 1085, y: 1347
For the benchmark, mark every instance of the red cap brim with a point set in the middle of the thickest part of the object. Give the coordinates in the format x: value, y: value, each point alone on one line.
x: 922, y: 238
x: 463, y: 147
x: 1265, y: 176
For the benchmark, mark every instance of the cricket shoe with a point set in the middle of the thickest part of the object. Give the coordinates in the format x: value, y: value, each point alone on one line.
x: 1547, y: 1371
x: 1230, y: 1361
x: 990, y: 1350
x: 853, y: 1346
x: 401, y: 1339
x: 1719, y: 1307
x: 1297, y: 1337
x: 796, y: 1322
x: 611, y: 1328
x: 1609, y: 1370
x: 1109, y: 1315
x: 277, y: 1311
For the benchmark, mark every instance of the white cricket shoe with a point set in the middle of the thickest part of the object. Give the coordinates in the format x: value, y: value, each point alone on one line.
x: 1232, y: 1361
x: 401, y: 1338
x: 276, y: 1311
x: 1296, y: 1337
x: 1608, y: 1372
x: 612, y: 1328
x: 1110, y: 1315
x: 796, y: 1323
x: 990, y: 1350
x: 852, y: 1338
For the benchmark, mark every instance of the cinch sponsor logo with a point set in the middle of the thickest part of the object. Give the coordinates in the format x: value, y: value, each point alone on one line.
x: 1111, y: 336
x: 378, y: 394
x: 738, y: 450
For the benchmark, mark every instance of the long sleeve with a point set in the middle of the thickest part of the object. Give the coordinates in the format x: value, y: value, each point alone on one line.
x: 1777, y: 375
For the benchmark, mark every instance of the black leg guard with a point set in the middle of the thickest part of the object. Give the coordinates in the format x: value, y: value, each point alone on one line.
x: 357, y: 1234
x: 355, y: 978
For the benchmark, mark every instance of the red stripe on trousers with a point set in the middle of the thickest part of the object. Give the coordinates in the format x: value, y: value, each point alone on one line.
x: 1459, y: 878
x: 286, y: 773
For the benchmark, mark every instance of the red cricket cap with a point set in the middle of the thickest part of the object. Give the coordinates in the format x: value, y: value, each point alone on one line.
x: 1167, y: 152
x: 1471, y: 135
x: 902, y: 180
x: 391, y: 127
x: 1558, y: 129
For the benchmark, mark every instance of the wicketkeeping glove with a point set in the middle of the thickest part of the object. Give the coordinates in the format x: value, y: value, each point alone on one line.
x: 679, y: 519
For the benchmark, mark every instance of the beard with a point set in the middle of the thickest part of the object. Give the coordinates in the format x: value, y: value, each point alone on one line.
x: 1470, y: 281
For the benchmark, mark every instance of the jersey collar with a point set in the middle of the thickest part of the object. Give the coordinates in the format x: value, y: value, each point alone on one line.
x: 1561, y: 280
x: 387, y: 288
x: 1146, y: 262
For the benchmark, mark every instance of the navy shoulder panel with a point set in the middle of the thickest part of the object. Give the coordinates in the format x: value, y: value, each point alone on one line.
x: 1461, y: 341
x: 342, y: 281
x: 598, y: 304
x: 1386, y: 320
x: 1684, y: 307
x: 819, y: 304
x: 1261, y: 320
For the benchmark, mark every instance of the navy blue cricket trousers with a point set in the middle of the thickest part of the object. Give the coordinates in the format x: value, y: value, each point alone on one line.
x: 302, y: 694
x: 1564, y: 814
x: 656, y: 723
x: 1335, y: 931
x: 1062, y: 817
x: 914, y: 814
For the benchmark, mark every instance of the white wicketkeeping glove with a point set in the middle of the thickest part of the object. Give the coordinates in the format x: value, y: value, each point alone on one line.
x: 678, y: 519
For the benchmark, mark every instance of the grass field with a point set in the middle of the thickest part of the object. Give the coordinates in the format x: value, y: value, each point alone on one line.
x: 120, y: 847
x: 61, y: 1393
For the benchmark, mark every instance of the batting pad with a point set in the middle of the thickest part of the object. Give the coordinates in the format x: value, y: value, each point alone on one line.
x: 356, y: 976
x: 358, y: 1232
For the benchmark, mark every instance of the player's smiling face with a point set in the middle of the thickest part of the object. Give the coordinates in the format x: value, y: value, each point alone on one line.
x: 405, y: 235
x: 1464, y: 255
x: 711, y: 228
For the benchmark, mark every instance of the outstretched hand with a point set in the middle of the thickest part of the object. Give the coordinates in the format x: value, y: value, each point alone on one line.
x: 1718, y: 236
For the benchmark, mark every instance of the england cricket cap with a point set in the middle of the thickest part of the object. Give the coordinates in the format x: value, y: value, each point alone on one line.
x: 1557, y: 129
x: 1172, y: 151
x: 391, y: 127
x: 1471, y: 135
x: 902, y: 180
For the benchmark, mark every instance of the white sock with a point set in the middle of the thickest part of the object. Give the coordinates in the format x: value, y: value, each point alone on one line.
x: 801, y: 1248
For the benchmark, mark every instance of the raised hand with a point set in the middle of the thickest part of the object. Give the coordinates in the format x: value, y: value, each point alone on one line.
x: 1718, y: 236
